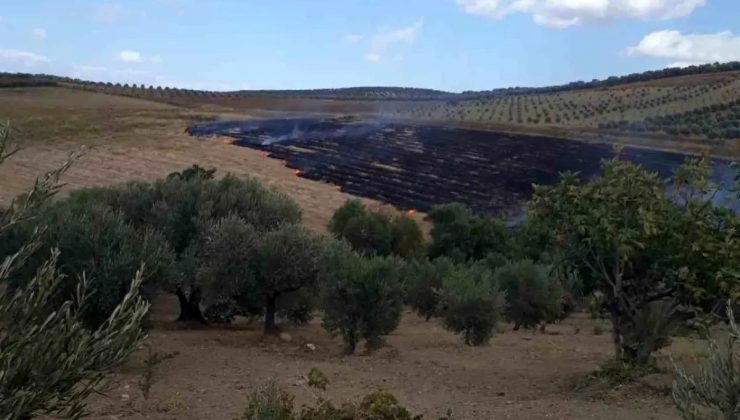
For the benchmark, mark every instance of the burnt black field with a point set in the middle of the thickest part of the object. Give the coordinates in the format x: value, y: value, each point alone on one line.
x: 417, y: 167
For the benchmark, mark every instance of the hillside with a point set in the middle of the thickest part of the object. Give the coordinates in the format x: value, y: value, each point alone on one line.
x: 693, y: 110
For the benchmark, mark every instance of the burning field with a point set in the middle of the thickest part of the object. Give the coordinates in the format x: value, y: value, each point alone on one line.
x: 415, y: 167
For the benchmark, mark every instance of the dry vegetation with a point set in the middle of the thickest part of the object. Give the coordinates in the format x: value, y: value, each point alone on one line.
x: 134, y: 139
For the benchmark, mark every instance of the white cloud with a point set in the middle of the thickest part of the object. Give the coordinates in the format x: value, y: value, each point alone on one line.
x: 108, y: 13
x: 384, y: 42
x: 564, y: 13
x: 352, y: 39
x: 39, y: 33
x: 10, y: 58
x: 406, y: 35
x: 135, y: 57
x: 685, y: 50
x: 373, y: 57
x: 128, y: 56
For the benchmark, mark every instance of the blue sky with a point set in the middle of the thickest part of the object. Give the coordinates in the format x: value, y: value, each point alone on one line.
x: 285, y: 44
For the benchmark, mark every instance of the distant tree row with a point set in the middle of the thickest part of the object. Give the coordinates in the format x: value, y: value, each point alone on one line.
x: 389, y: 93
x: 613, y: 80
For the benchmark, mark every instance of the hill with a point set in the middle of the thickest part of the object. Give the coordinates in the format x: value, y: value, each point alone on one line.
x: 694, y: 109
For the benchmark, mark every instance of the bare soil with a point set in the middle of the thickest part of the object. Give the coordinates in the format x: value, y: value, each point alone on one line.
x: 519, y: 375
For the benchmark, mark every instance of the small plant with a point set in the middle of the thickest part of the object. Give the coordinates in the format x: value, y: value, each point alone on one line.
x: 617, y: 373
x: 316, y: 379
x: 715, y: 392
x: 153, y: 359
x: 269, y: 402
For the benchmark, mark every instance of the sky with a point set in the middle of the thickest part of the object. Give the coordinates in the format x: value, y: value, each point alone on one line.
x: 452, y: 45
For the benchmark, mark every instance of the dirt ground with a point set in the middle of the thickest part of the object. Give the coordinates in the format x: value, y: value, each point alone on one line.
x: 519, y: 375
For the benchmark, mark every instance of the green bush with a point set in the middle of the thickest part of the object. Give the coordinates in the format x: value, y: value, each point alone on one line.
x: 425, y: 280
x: 472, y: 304
x: 361, y: 297
x: 532, y: 295
x: 269, y: 402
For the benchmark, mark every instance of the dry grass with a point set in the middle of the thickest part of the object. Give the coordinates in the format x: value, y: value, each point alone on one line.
x: 133, y: 139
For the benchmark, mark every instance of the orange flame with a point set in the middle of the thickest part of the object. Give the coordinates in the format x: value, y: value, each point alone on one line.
x: 229, y: 141
x: 298, y: 173
x: 411, y: 212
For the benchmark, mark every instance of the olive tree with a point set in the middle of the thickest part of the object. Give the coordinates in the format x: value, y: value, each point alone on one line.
x: 286, y: 263
x: 50, y: 362
x: 424, y: 282
x: 181, y: 205
x: 462, y: 236
x: 652, y: 254
x: 361, y: 297
x: 532, y: 295
x: 376, y: 233
x: 471, y: 303
x: 224, y: 254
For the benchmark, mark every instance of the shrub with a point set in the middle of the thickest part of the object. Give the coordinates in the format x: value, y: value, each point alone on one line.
x: 272, y: 403
x: 714, y: 393
x: 269, y: 402
x: 532, y: 296
x: 361, y: 297
x: 194, y: 171
x: 425, y: 280
x: 472, y: 304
